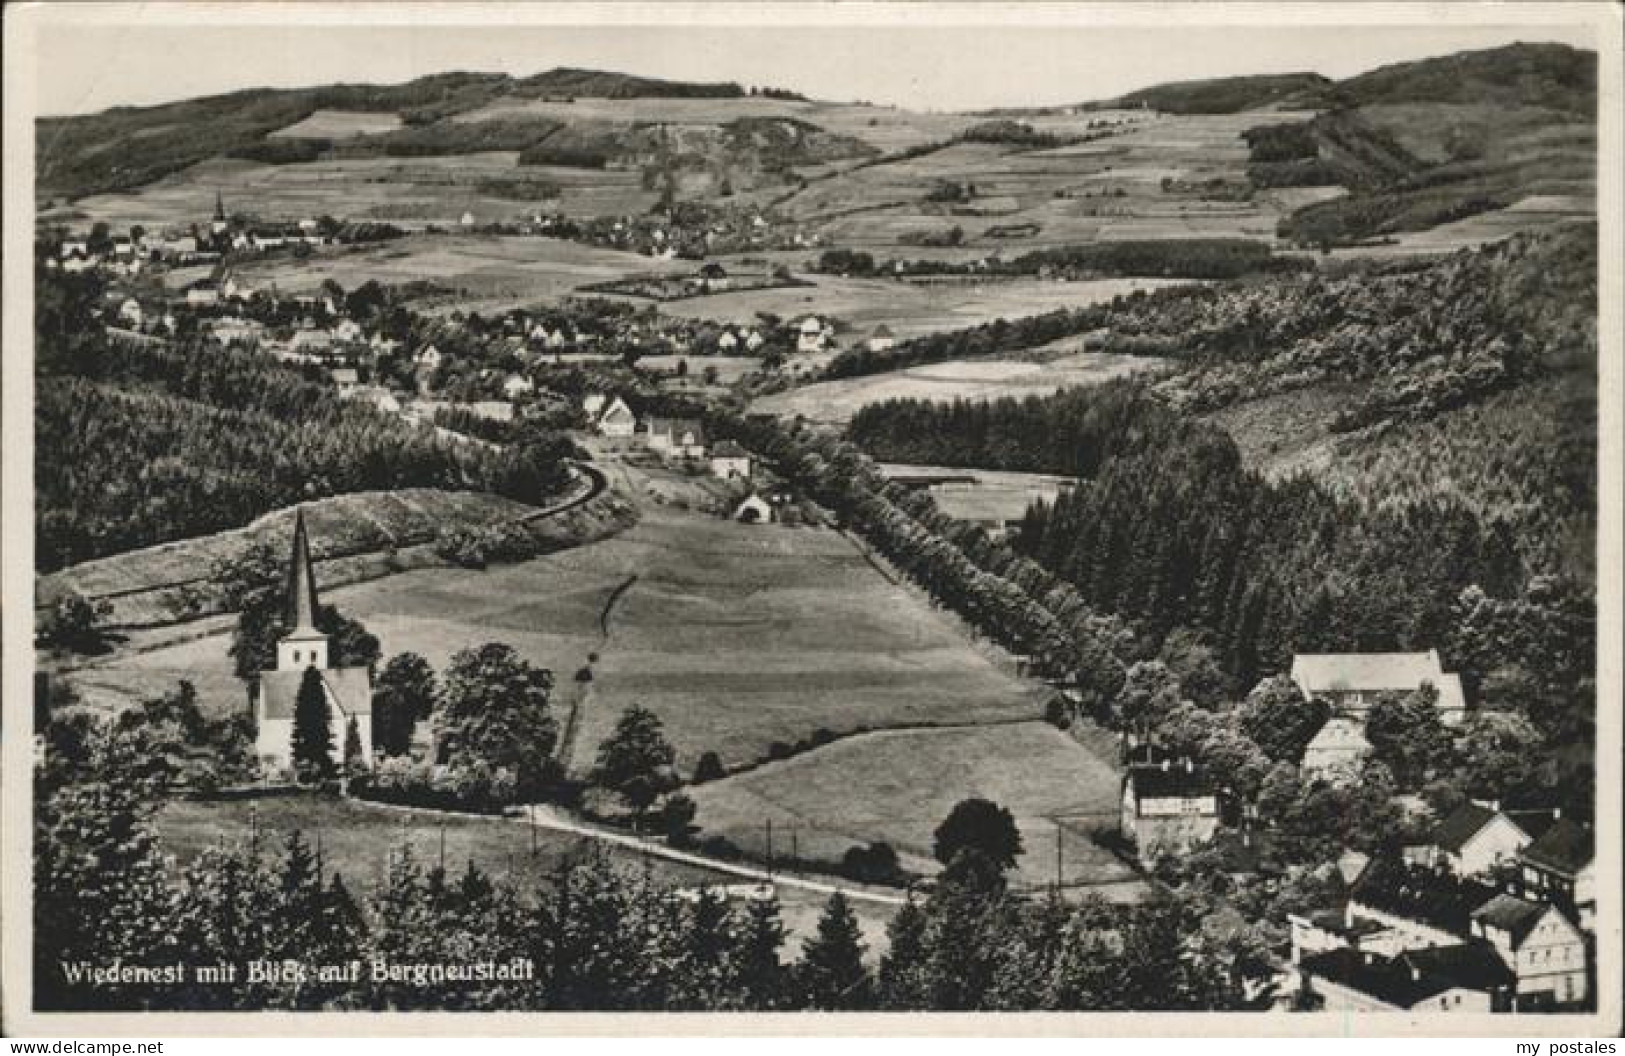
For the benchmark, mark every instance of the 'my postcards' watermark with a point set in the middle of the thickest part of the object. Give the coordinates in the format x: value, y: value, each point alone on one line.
x: 1565, y: 1048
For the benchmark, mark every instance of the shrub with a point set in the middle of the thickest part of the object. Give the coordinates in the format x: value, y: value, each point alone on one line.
x: 709, y: 768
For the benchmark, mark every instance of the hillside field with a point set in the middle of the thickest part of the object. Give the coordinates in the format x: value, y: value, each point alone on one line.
x: 898, y: 786
x: 835, y: 402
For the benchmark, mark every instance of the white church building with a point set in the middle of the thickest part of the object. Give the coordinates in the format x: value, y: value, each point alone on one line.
x: 349, y: 689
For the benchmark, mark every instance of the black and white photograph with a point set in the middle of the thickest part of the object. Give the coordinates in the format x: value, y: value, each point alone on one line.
x: 813, y: 508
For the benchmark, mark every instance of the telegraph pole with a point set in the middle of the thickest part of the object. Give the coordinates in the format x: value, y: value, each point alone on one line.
x: 770, y: 846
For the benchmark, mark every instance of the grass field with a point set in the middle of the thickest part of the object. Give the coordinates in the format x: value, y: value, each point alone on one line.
x: 496, y: 272
x: 739, y: 636
x: 835, y: 402
x: 909, y: 309
x: 996, y: 496
x: 898, y: 786
x: 410, y: 192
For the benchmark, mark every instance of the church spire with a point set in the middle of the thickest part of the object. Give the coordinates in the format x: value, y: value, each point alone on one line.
x: 301, y: 581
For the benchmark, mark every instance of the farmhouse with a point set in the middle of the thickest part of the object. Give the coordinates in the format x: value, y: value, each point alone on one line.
x: 1545, y: 951
x: 810, y: 335
x: 1557, y: 868
x: 714, y: 277
x: 428, y: 357
x: 1336, y: 751
x: 1169, y: 807
x: 346, y: 380
x: 1351, y: 682
x: 203, y: 295
x: 729, y: 461
x: 727, y: 342
x: 1466, y: 977
x: 616, y: 419
x: 881, y: 340
x: 348, y: 689
x: 1476, y: 837
x: 684, y: 437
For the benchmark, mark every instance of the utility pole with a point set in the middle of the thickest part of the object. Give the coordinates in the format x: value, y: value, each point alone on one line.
x: 1058, y: 872
x: 795, y: 851
x: 769, y: 846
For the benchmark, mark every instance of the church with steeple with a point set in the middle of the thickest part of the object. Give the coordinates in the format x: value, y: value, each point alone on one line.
x: 349, y: 689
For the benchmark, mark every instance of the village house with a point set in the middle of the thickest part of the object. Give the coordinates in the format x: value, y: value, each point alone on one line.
x: 347, y: 330
x: 810, y: 335
x: 518, y: 385
x: 714, y: 277
x: 1351, y: 682
x: 1168, y: 807
x: 1336, y: 751
x: 614, y: 418
x: 130, y: 313
x: 347, y: 380
x: 682, y: 437
x: 1477, y: 837
x: 881, y: 340
x: 1556, y: 867
x: 1542, y: 947
x: 428, y: 358
x: 729, y: 461
x: 235, y: 331
x: 727, y: 343
x: 754, y: 341
x: 303, y: 648
x: 203, y: 295
x: 311, y: 343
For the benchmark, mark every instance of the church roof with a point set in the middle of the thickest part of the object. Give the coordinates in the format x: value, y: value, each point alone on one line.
x: 301, y: 584
x: 348, y: 688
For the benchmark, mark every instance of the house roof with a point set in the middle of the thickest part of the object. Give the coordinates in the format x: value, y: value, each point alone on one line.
x: 1461, y: 825
x: 1377, y: 672
x: 1392, y: 981
x: 1319, y: 672
x: 677, y: 426
x: 345, y: 374
x: 1534, y: 823
x: 1473, y: 964
x: 1175, y: 782
x: 1440, y: 900
x: 729, y: 449
x: 350, y: 688
x: 1340, y: 731
x: 882, y: 331
x: 1565, y: 847
x: 1511, y: 914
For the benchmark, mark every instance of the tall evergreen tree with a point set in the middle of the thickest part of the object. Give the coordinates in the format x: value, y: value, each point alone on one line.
x: 832, y: 974
x: 312, y: 728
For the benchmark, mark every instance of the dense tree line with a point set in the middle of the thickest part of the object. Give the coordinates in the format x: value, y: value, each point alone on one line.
x: 139, y: 443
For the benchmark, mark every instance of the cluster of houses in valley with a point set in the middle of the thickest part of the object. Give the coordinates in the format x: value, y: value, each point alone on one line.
x: 1494, y: 912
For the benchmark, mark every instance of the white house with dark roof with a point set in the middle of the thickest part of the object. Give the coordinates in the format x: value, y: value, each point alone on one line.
x: 1168, y: 807
x: 810, y: 335
x: 1476, y: 837
x: 729, y: 461
x: 1541, y: 946
x: 305, y: 648
x: 882, y: 340
x: 683, y: 437
x: 1351, y: 682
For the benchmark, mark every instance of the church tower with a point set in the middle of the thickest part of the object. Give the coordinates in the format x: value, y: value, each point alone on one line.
x: 304, y: 646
